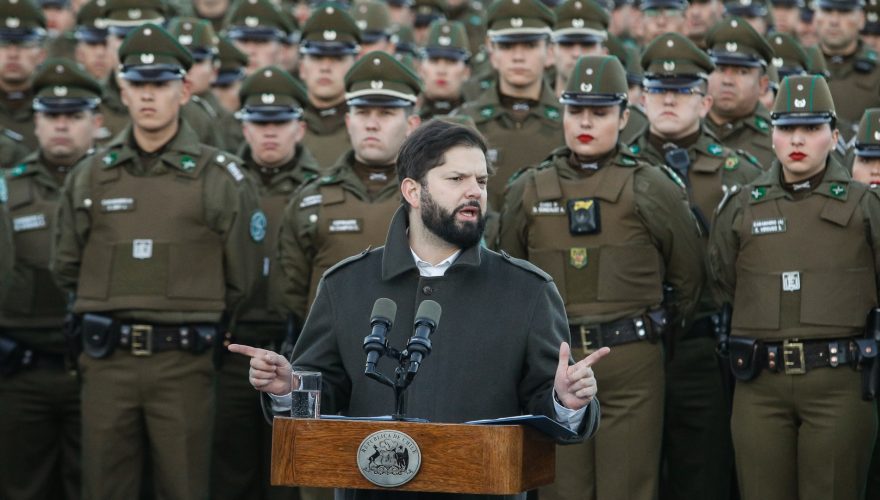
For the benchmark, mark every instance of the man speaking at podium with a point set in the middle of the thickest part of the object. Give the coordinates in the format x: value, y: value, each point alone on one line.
x: 501, y: 348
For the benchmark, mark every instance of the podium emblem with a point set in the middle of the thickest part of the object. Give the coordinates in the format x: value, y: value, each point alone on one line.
x: 389, y: 458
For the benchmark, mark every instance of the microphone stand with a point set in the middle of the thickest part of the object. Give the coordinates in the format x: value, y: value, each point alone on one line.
x: 402, y: 380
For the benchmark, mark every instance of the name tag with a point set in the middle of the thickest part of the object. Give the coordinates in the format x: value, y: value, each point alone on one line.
x: 791, y: 281
x: 142, y: 249
x: 28, y: 223
x: 311, y: 200
x: 345, y: 226
x: 548, y: 208
x: 117, y: 205
x: 768, y: 226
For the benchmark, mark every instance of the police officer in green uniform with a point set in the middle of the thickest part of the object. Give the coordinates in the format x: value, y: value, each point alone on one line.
x: 611, y: 230
x: 272, y: 103
x: 121, y: 18
x: 374, y: 20
x: 581, y: 28
x: 198, y: 36
x: 157, y: 239
x: 470, y: 14
x: 39, y: 394
x: 91, y: 49
x: 520, y: 116
x: 444, y: 68
x: 795, y: 253
x: 737, y: 117
x: 853, y: 66
x: 755, y: 12
x: 330, y: 43
x: 259, y: 30
x: 230, y: 74
x: 7, y: 248
x: 870, y: 33
x: 697, y: 409
x: 22, y: 49
x: 349, y: 209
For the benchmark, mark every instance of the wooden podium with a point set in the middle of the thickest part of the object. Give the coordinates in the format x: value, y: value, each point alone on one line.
x: 455, y: 458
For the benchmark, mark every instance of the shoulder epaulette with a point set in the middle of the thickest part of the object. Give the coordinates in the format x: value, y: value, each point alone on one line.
x: 15, y: 136
x: 552, y: 113
x: 516, y: 175
x: 346, y: 261
x: 866, y: 61
x: 528, y: 266
x: 230, y: 165
x: 762, y: 124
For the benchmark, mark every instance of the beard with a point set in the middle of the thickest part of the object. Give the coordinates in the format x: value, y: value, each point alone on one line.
x: 442, y: 223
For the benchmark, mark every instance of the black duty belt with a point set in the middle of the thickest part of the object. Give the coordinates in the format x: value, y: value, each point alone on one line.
x: 622, y: 331
x: 144, y: 340
x: 705, y: 327
x: 794, y: 357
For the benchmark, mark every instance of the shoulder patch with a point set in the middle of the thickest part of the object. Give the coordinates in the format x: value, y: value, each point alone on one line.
x: 528, y: 266
x: 516, y: 175
x: 672, y: 175
x: 731, y: 163
x: 551, y: 113
x: 346, y: 261
x: 258, y: 226
x: 762, y: 124
x: 487, y: 111
x: 15, y: 136
x: 715, y: 149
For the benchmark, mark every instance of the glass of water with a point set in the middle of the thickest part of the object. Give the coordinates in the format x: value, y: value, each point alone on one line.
x: 306, y: 393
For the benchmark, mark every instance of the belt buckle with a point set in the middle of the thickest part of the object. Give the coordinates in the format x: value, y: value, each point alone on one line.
x: 142, y: 340
x: 793, y: 358
x: 585, y: 339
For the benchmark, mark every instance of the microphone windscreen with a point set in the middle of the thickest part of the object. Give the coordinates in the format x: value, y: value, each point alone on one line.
x: 384, y: 309
x: 429, y: 311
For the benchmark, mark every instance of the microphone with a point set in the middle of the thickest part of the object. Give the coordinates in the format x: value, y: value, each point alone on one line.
x: 381, y: 319
x: 419, y: 345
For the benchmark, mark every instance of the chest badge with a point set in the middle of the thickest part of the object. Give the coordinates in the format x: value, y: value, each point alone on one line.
x: 791, y: 281
x: 578, y: 258
x: 142, y: 249
x: 258, y: 226
x: 837, y: 190
x: 758, y: 193
x: 187, y: 163
x: 109, y: 158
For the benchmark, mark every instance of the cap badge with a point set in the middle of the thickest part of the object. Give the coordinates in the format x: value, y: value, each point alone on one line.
x: 188, y: 26
x: 800, y: 103
x: 515, y: 2
x: 445, y: 28
x: 777, y: 61
x: 267, y: 98
x: 13, y: 22
x: 778, y: 40
x: 13, y: 2
x: 516, y: 22
x: 252, y: 2
x: 444, y: 40
x: 134, y: 13
x: 148, y: 58
x: 586, y: 87
x: 251, y: 21
x: 185, y: 39
x: 148, y: 32
x: 731, y: 46
x: 668, y: 65
x: 800, y: 86
x: 873, y: 17
x: 745, y: 2
x: 578, y: 5
x: 577, y: 23
x: 329, y: 10
x: 733, y: 23
x: 59, y: 69
x: 376, y: 61
x: 877, y: 135
x: 361, y: 24
x: 670, y: 43
x: 267, y: 73
x: 60, y: 91
x: 329, y: 35
x: 589, y: 71
x: 376, y: 84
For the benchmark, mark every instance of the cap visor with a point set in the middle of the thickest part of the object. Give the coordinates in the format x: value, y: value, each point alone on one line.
x: 268, y: 114
x: 731, y: 59
x: 91, y: 35
x: 518, y: 37
x: 151, y: 74
x: 64, y: 106
x: 591, y: 100
x: 378, y: 101
x: 258, y: 34
x: 868, y: 151
x: 328, y: 49
x: 678, y: 82
x: 799, y: 119
x: 446, y: 53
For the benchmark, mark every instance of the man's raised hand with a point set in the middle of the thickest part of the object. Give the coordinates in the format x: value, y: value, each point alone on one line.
x: 269, y: 372
x: 575, y: 385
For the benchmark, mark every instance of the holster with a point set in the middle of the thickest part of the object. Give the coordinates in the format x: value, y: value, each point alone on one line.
x: 12, y: 356
x: 658, y: 322
x: 746, y: 357
x: 866, y: 357
x: 72, y: 337
x: 100, y: 335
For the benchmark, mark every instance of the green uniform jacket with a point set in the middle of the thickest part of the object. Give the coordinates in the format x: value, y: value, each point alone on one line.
x: 11, y: 148
x: 616, y: 276
x: 35, y: 302
x: 714, y: 170
x: 328, y: 220
x: 17, y: 115
x: 750, y: 134
x: 227, y: 211
x: 7, y: 249
x: 486, y: 362
x: 797, y: 266
x: 274, y: 197
x: 326, y: 136
x: 226, y: 122
x: 470, y: 13
x: 515, y: 144
x: 855, y: 86
x: 429, y: 108
x: 636, y: 126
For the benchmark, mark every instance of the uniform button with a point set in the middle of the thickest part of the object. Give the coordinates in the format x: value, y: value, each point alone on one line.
x: 87, y: 202
x: 427, y: 290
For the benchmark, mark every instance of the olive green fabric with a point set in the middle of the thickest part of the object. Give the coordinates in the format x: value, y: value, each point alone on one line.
x: 581, y: 18
x: 329, y: 23
x: 518, y: 17
x: 64, y: 79
x: 789, y: 55
x: 7, y: 249
x: 17, y: 116
x: 196, y: 35
x: 23, y: 15
x: 272, y: 86
x: 40, y: 428
x: 378, y: 74
x: 329, y: 219
x: 674, y: 55
x: 257, y: 13
x: 471, y: 14
x: 853, y: 80
x: 802, y: 95
x: 733, y: 41
x: 130, y: 13
x: 447, y: 36
x: 817, y: 64
x: 150, y: 44
x: 750, y: 133
x: 326, y: 134
x: 372, y: 18
x: 596, y: 75
x: 869, y: 129
x: 11, y: 148
x: 231, y: 59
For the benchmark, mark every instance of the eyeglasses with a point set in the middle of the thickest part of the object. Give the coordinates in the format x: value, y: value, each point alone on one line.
x: 674, y: 91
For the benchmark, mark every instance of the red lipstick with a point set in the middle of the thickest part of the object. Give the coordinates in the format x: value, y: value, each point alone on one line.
x: 797, y: 156
x: 585, y: 138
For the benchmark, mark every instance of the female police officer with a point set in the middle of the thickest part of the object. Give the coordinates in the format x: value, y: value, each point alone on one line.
x: 795, y: 252
x: 611, y: 230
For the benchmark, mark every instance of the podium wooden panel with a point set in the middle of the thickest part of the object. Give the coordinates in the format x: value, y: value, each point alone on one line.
x: 456, y: 458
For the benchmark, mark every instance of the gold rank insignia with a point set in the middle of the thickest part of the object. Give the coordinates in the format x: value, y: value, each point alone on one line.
x: 582, y: 205
x: 578, y: 257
